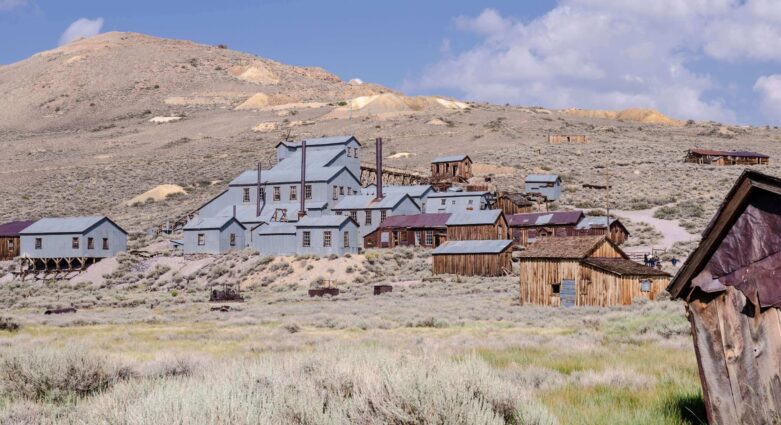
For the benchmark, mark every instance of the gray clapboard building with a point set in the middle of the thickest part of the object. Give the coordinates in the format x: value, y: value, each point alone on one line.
x: 327, y: 235
x: 368, y: 211
x: 275, y: 238
x: 213, y: 235
x: 456, y: 202
x: 419, y: 193
x: 547, y: 185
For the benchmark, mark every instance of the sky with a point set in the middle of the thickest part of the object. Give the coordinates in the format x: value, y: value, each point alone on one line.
x: 714, y: 60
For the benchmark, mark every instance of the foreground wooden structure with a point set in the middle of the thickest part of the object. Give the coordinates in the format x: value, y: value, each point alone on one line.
x: 514, y: 203
x: 10, y: 239
x: 714, y: 157
x: 424, y: 230
x: 730, y: 285
x: 473, y: 258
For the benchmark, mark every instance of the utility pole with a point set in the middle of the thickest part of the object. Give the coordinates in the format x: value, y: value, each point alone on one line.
x: 607, y: 195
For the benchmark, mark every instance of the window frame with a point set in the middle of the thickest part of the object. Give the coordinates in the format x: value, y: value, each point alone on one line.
x: 346, y: 238
x: 367, y: 219
x: 232, y: 239
x: 38, y: 243
x: 383, y: 215
x: 277, y: 194
x: 90, y: 243
x: 246, y: 196
x: 75, y: 242
x: 306, y: 238
x: 293, y: 194
x: 327, y: 239
x: 201, y: 239
x: 429, y: 238
x: 307, y: 192
x: 105, y: 244
x: 335, y: 193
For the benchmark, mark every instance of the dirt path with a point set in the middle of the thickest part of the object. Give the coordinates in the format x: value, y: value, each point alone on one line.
x: 671, y: 230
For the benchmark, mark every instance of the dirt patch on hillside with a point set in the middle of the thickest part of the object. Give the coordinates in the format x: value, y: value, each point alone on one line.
x: 157, y: 194
x: 647, y: 116
x: 497, y: 170
x: 257, y: 73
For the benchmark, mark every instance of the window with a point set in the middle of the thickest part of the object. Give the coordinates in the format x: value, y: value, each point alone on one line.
x: 471, y: 201
x: 10, y: 244
x: 335, y: 193
x: 308, y: 191
x: 354, y: 215
x: 645, y: 285
x: 90, y: 243
x: 341, y: 190
x: 443, y: 201
x: 293, y: 193
x: 201, y: 239
x: 105, y: 243
x: 233, y: 239
x: 246, y: 194
x: 277, y: 194
x: 327, y: 239
x: 556, y: 288
x: 368, y: 217
x: 348, y: 151
x: 346, y: 237
x: 500, y: 233
x: 38, y: 243
x: 338, y: 212
x: 75, y: 243
x: 383, y: 215
x: 453, y: 202
x: 307, y: 239
x: 429, y: 237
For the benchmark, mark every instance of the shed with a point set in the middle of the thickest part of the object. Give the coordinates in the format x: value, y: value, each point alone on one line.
x: 595, y: 226
x: 425, y: 230
x: 526, y: 228
x: 514, y: 203
x: 716, y: 157
x: 9, y: 238
x: 274, y: 238
x: 473, y: 258
x: 477, y: 225
x: 547, y: 185
x: 452, y: 167
x: 326, y: 235
x: 566, y: 138
x: 584, y: 270
x: 730, y: 285
x: 213, y: 235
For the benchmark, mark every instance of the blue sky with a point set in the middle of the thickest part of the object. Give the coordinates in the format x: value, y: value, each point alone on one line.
x: 700, y: 59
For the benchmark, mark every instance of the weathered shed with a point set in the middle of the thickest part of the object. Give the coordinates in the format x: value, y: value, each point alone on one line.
x: 716, y: 157
x: 425, y: 230
x: 10, y: 239
x: 213, y: 235
x: 595, y: 226
x: 566, y: 138
x: 473, y: 258
x: 584, y: 270
x: 326, y: 235
x: 477, y: 225
x: 514, y: 203
x: 452, y: 167
x: 547, y: 185
x: 526, y: 228
x: 730, y: 284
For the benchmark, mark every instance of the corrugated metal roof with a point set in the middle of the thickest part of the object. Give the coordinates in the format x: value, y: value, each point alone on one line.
x: 208, y: 223
x: 623, y: 267
x: 245, y: 213
x: 276, y: 228
x: 323, y: 221
x: 51, y: 225
x: 449, y: 158
x: 318, y: 166
x: 415, y: 191
x: 472, y: 247
x: 321, y: 141
x: 474, y: 217
x: 590, y: 222
x: 367, y: 202
x: 564, y: 247
x: 13, y: 228
x: 745, y: 154
x: 542, y: 178
x: 553, y: 218
x: 416, y: 220
x: 456, y: 194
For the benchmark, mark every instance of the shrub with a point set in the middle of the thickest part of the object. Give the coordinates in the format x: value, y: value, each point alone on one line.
x: 8, y: 324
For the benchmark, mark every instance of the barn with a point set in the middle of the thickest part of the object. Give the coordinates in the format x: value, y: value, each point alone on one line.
x: 452, y: 167
x: 547, y: 185
x: 477, y: 225
x: 526, y: 228
x: 595, y: 226
x: 730, y: 285
x: 424, y: 230
x: 715, y: 157
x: 584, y: 271
x: 9, y: 238
x: 514, y: 203
x: 213, y: 235
x: 473, y: 258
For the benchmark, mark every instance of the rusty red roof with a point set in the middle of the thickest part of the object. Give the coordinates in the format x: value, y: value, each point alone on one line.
x: 13, y: 228
x: 416, y: 220
x: 553, y: 218
x: 744, y: 154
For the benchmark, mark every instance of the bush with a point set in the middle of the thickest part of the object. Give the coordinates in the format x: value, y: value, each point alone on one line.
x: 8, y: 324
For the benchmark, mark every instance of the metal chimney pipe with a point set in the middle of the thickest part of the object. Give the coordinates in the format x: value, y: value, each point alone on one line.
x: 378, y: 150
x: 259, y: 194
x: 302, y: 195
x: 234, y: 211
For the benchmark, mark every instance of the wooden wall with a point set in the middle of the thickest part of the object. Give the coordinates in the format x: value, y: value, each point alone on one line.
x: 498, y: 230
x: 474, y: 264
x: 521, y: 235
x: 739, y: 357
x: 6, y: 252
x: 537, y: 277
x: 403, y: 237
x: 564, y: 138
x: 509, y: 207
x: 462, y: 169
x: 617, y: 234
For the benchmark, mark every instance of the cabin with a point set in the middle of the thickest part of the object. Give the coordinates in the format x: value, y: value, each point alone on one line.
x: 526, y: 228
x: 596, y: 226
x: 69, y: 243
x: 213, y: 235
x: 715, y: 157
x: 327, y: 235
x: 454, y: 202
x: 456, y: 168
x: 730, y: 286
x: 547, y: 185
x: 556, y: 139
x: 473, y: 258
x: 419, y: 193
x: 369, y: 212
x: 274, y: 238
x: 585, y: 271
x: 477, y: 225
x: 420, y: 230
x: 514, y: 203
x: 9, y: 238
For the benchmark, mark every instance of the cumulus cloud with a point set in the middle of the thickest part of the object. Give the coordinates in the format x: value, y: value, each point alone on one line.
x: 610, y: 54
x: 81, y: 28
x: 769, y: 89
x: 12, y: 4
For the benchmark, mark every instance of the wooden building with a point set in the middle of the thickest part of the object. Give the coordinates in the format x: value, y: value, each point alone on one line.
x: 730, y: 285
x: 567, y: 138
x: 9, y: 238
x: 473, y: 258
x: 584, y: 270
x: 526, y: 228
x: 455, y: 168
x: 714, y: 157
x: 514, y: 203
x: 423, y: 230
x: 597, y: 226
x: 477, y: 225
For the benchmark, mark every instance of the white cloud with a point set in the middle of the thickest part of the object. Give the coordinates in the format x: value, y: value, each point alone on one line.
x: 12, y: 4
x: 611, y: 54
x: 81, y: 28
x: 769, y: 89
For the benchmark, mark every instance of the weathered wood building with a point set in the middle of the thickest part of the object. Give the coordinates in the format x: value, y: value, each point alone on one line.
x: 526, y: 228
x: 597, y: 226
x: 9, y: 238
x: 455, y: 168
x: 477, y: 225
x: 547, y: 185
x: 567, y: 138
x: 730, y: 284
x: 715, y: 157
x: 584, y: 270
x: 514, y: 203
x: 473, y: 258
x: 424, y: 230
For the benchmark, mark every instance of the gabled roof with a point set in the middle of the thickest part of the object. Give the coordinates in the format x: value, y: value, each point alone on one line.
x: 744, y: 154
x: 751, y: 237
x: 211, y: 223
x: 518, y: 199
x: 553, y: 218
x: 472, y: 247
x: 368, y: 202
x: 66, y: 225
x: 275, y: 228
x: 321, y: 141
x: 542, y: 178
x: 456, y: 194
x: 415, y: 191
x: 290, y: 174
x: 598, y: 222
x: 324, y: 221
x: 567, y: 247
x: 624, y: 267
x: 472, y: 218
x: 246, y: 213
x: 450, y: 158
x: 416, y: 221
x: 12, y: 229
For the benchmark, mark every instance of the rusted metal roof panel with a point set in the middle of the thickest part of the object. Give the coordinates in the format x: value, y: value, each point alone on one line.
x: 417, y: 221
x: 553, y: 218
x: 12, y: 229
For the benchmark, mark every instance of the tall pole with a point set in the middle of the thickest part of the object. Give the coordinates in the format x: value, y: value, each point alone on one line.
x: 607, y: 196
x: 259, y: 195
x: 302, y: 209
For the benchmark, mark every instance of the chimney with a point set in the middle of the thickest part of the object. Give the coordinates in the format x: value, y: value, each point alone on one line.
x: 259, y: 194
x: 378, y: 149
x: 234, y: 211
x: 302, y: 195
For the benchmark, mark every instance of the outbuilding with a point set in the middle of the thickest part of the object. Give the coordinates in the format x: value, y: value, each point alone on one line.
x: 526, y: 228
x: 477, y: 225
x: 423, y: 230
x: 473, y: 258
x: 716, y: 157
x: 514, y: 203
x: 547, y: 185
x: 452, y: 167
x: 327, y: 235
x: 596, y: 226
x: 10, y: 239
x: 213, y: 235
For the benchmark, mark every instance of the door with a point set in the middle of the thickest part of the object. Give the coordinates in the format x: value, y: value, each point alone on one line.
x: 568, y: 293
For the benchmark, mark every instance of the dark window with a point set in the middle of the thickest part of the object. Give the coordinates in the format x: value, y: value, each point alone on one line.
x: 277, y: 195
x: 336, y: 193
x: 201, y: 239
x: 383, y: 215
x: 10, y: 244
x: 246, y: 194
x: 233, y: 239
x: 308, y: 191
x: 556, y: 288
x: 354, y: 215
x: 75, y: 243
x: 327, y: 239
x: 293, y: 193
x: 341, y: 190
x: 443, y: 201
x: 368, y: 216
x: 307, y: 239
x: 105, y: 243
x: 90, y: 243
x: 38, y: 243
x: 346, y: 237
x: 429, y: 237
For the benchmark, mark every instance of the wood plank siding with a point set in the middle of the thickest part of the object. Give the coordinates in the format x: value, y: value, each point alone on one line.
x: 426, y: 238
x: 9, y: 247
x: 511, y: 206
x: 498, y: 230
x: 474, y: 264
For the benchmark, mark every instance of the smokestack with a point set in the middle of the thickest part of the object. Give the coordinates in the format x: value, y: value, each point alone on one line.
x: 259, y: 194
x: 234, y: 211
x: 378, y: 149
x: 302, y: 195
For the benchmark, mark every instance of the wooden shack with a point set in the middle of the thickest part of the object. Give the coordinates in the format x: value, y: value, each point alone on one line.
x: 473, y: 258
x: 9, y: 238
x: 567, y: 138
x: 423, y: 230
x: 514, y: 203
x: 452, y: 168
x: 477, y: 225
x: 526, y: 228
x: 597, y: 226
x: 730, y: 285
x: 714, y: 157
x: 584, y: 271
